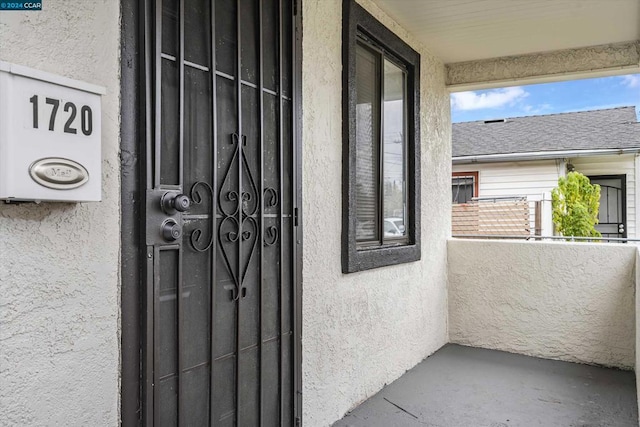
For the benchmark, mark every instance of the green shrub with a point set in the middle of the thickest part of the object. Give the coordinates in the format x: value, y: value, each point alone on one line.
x: 575, y: 204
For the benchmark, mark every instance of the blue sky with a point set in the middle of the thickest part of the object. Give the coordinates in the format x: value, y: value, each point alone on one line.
x: 548, y: 98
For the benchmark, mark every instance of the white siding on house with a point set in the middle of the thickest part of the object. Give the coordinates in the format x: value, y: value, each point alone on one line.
x: 614, y: 165
x: 526, y: 178
x: 529, y: 178
x: 533, y: 178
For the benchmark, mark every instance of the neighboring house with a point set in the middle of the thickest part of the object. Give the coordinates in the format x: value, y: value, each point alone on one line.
x: 525, y: 156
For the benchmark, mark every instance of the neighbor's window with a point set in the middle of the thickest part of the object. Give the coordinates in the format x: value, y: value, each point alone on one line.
x: 464, y: 186
x: 381, y: 145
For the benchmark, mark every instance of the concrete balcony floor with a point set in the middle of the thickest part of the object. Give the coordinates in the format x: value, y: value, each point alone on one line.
x: 470, y: 387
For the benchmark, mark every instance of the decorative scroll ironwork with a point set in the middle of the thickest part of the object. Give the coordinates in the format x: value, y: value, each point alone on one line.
x: 238, y: 224
x: 197, y: 199
x: 270, y: 197
x: 252, y: 194
x: 229, y: 197
x: 271, y: 236
x: 270, y: 200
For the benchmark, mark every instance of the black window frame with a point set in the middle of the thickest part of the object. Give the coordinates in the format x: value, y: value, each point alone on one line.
x: 359, y: 26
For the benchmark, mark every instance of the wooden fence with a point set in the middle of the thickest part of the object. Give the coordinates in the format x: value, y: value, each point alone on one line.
x: 492, y: 217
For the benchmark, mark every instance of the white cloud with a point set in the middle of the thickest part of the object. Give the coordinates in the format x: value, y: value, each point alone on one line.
x: 632, y: 80
x: 537, y: 109
x: 490, y: 99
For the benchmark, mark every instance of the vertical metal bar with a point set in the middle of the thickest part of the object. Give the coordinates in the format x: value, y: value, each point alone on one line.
x: 156, y: 333
x: 179, y: 301
x: 181, y: 96
x: 149, y: 74
x: 261, y: 198
x: 240, y: 198
x: 297, y: 196
x: 148, y: 415
x: 157, y: 138
x: 280, y: 92
x: 214, y: 186
x: 158, y: 95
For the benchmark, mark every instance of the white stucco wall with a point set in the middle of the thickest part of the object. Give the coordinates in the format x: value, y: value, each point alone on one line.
x: 568, y: 64
x: 363, y: 330
x: 637, y: 322
x: 566, y: 301
x: 59, y: 297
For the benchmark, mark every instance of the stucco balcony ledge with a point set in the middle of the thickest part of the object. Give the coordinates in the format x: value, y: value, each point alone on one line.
x: 541, y: 334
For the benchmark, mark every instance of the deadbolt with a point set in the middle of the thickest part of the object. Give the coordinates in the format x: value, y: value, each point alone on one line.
x: 172, y: 203
x: 171, y: 230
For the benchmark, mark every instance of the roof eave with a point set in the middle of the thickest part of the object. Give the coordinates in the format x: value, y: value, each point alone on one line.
x: 541, y: 155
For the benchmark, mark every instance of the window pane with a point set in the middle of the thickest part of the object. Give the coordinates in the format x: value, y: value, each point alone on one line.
x: 394, y: 150
x: 367, y: 116
x: 462, y: 189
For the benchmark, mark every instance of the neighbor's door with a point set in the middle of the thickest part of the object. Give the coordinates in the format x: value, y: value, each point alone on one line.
x: 221, y: 214
x: 612, y: 215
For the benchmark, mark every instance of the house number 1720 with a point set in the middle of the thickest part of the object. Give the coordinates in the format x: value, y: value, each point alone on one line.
x: 86, y: 116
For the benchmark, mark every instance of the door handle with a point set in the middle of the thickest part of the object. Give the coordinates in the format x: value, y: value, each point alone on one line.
x: 172, y: 203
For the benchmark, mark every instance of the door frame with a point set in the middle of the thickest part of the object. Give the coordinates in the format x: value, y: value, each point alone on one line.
x: 132, y: 247
x: 623, y: 190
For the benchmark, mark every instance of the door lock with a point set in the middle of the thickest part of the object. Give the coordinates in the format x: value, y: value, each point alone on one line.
x: 620, y: 228
x: 171, y: 230
x: 172, y: 203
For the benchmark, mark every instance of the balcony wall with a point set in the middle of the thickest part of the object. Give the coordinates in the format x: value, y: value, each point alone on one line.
x: 565, y: 301
x: 637, y: 320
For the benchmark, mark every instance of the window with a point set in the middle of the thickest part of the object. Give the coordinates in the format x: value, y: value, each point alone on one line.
x: 464, y: 186
x: 381, y: 175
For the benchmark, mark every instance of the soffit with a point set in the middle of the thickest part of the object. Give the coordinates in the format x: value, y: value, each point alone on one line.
x: 467, y: 30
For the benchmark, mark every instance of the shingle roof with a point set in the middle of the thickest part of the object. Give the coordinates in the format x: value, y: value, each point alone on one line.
x: 586, y: 130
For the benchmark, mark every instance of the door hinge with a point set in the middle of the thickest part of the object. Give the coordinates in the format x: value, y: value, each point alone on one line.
x: 295, y: 7
x: 298, y: 421
x: 295, y: 217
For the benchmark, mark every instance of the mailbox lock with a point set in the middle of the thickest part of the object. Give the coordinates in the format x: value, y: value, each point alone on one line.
x: 171, y: 230
x: 172, y: 203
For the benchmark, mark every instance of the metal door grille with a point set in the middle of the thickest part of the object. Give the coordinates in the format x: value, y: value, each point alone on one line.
x: 219, y: 347
x: 612, y: 215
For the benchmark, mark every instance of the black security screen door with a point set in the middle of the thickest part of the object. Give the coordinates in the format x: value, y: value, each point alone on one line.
x: 612, y: 213
x: 221, y: 214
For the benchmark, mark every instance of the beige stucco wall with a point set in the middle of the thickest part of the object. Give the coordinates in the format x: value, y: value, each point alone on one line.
x: 637, y: 322
x: 566, y: 301
x: 568, y: 64
x: 363, y: 330
x: 59, y: 297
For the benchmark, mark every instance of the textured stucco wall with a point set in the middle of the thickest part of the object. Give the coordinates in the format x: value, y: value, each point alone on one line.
x: 365, y: 329
x: 566, y: 301
x: 592, y: 61
x: 637, y: 321
x: 59, y: 298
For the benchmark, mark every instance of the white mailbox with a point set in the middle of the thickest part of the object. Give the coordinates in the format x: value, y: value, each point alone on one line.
x: 50, y: 137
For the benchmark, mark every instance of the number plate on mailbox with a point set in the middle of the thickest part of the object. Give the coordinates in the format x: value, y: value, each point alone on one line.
x: 50, y: 137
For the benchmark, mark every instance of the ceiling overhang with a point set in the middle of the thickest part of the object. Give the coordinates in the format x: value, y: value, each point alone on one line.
x: 490, y: 43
